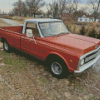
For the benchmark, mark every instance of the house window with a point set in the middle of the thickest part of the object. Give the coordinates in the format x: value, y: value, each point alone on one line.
x: 80, y: 20
x: 85, y: 20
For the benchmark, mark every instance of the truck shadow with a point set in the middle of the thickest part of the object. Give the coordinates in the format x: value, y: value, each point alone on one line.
x: 27, y: 56
x: 34, y: 61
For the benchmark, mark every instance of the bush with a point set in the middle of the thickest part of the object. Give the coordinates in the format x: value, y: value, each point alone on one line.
x: 92, y: 33
x: 98, y: 35
x: 82, y: 30
x: 68, y: 27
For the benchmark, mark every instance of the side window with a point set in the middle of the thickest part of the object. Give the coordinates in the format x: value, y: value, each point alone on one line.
x: 33, y: 27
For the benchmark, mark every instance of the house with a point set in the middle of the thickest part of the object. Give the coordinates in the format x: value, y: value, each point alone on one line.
x: 84, y: 18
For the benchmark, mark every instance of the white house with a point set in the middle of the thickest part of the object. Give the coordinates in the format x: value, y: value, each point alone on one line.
x: 87, y: 19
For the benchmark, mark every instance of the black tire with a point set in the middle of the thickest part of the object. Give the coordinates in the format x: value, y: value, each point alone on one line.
x: 6, y: 47
x: 60, y: 66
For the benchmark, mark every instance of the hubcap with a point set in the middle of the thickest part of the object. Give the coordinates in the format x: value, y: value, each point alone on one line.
x: 56, y: 68
x: 6, y: 46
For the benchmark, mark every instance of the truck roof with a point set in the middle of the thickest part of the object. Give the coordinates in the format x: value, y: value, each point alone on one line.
x: 42, y: 20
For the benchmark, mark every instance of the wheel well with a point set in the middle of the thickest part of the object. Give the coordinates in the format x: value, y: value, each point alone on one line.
x: 3, y: 39
x: 53, y: 56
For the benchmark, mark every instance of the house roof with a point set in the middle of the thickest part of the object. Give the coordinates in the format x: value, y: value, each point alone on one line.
x: 42, y: 20
x: 84, y: 16
x: 88, y: 16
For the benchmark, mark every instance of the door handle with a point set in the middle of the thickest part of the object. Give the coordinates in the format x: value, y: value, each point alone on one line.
x: 23, y: 37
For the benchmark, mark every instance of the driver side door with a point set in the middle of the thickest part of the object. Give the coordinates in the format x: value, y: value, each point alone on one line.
x: 30, y: 45
x: 34, y: 47
x: 25, y: 42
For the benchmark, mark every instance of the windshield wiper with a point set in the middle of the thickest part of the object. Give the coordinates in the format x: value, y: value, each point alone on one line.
x: 63, y: 33
x: 49, y: 34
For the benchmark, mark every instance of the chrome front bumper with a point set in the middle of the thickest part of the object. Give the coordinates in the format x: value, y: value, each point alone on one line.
x: 86, y: 66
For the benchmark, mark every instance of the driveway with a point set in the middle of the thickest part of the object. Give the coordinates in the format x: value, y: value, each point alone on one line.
x: 11, y: 22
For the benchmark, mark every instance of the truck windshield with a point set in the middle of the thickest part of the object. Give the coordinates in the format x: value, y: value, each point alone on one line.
x: 53, y: 28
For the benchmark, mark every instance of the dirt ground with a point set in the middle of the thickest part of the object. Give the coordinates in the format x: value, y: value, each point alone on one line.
x: 23, y: 77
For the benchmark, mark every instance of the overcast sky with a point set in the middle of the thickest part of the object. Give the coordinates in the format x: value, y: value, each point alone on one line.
x: 6, y: 5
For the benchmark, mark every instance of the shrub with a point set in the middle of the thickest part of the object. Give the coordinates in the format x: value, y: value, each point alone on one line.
x: 74, y: 29
x: 68, y: 27
x: 98, y: 35
x: 92, y: 33
x: 82, y: 30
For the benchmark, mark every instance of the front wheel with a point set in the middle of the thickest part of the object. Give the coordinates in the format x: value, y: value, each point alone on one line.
x: 6, y: 46
x: 58, y: 68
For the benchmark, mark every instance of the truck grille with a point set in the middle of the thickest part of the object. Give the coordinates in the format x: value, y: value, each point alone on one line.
x: 92, y: 56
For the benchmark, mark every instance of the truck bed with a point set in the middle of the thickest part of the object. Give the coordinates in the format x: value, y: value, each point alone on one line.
x: 12, y: 35
x: 13, y: 29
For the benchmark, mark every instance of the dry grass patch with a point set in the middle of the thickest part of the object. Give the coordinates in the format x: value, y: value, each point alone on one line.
x: 31, y: 78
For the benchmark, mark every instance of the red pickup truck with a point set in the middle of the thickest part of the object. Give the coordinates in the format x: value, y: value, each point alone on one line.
x: 50, y: 41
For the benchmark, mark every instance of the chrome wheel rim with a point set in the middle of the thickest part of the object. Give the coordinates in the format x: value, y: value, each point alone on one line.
x: 56, y: 68
x: 6, y: 46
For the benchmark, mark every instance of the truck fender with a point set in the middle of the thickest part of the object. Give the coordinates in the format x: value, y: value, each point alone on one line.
x: 4, y: 38
x: 59, y: 55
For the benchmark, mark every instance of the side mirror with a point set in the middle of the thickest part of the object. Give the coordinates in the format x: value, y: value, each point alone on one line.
x: 29, y: 33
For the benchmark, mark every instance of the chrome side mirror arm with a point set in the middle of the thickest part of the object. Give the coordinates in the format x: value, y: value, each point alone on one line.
x: 34, y: 40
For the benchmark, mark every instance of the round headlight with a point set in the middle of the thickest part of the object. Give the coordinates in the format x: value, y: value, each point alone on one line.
x: 82, y: 62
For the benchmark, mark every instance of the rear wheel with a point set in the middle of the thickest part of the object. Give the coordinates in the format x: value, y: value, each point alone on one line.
x: 58, y: 68
x: 6, y: 46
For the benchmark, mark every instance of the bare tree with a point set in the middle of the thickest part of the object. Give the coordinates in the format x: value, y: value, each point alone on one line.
x: 62, y: 6
x: 49, y: 9
x: 95, y: 6
x: 24, y: 9
x: 18, y: 7
x: 53, y: 9
x: 13, y: 12
x: 76, y: 2
x: 70, y: 6
x: 34, y: 6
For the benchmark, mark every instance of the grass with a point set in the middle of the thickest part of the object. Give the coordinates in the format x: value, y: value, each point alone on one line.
x: 27, y: 74
x: 14, y: 62
x: 43, y: 80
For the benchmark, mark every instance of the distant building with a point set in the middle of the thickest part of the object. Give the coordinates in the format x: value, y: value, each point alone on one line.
x: 84, y: 18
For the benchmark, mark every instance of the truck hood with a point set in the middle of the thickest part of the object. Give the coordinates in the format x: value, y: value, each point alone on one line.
x: 76, y: 43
